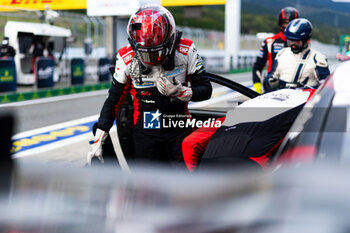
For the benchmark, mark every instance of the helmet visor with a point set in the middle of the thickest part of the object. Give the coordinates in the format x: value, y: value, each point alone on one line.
x: 153, y: 57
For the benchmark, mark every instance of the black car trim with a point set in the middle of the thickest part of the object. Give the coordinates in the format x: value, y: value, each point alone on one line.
x: 233, y: 85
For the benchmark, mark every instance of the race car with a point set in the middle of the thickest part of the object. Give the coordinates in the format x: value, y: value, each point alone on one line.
x: 318, y: 133
x: 249, y: 134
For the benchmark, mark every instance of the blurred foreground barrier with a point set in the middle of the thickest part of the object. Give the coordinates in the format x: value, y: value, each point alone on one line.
x: 45, y: 71
x: 7, y: 122
x: 77, y: 71
x: 103, y: 69
x: 8, y: 78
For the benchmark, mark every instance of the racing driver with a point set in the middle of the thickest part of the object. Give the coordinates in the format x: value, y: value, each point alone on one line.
x: 162, y: 72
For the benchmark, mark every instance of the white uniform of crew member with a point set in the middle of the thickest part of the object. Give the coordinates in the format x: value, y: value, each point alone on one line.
x: 299, y: 64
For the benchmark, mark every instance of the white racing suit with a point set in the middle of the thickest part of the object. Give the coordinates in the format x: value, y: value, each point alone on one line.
x: 308, y: 68
x: 152, y: 141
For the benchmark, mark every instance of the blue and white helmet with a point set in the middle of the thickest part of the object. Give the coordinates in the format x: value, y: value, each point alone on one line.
x: 299, y: 30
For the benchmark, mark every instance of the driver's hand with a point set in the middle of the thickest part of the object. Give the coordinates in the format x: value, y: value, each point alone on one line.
x: 184, y: 93
x: 174, y: 88
x: 96, y: 147
x: 166, y: 87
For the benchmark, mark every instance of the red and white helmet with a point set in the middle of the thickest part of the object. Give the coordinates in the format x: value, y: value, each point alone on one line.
x: 287, y: 14
x: 151, y: 32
